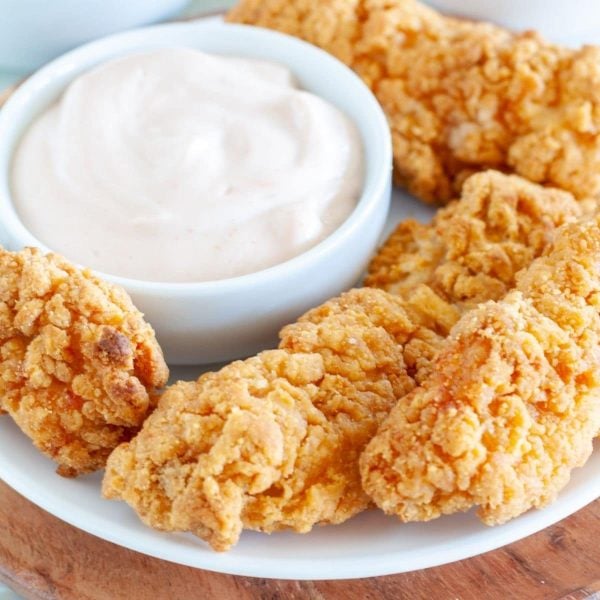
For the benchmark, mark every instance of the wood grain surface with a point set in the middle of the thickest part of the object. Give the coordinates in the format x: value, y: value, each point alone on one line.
x: 43, y: 558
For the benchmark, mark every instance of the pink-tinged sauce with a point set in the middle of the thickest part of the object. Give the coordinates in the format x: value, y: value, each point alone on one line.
x: 179, y: 166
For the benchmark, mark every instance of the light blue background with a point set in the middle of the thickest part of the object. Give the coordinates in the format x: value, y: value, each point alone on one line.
x: 194, y: 7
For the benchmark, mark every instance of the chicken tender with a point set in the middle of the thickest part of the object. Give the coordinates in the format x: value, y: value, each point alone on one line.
x: 474, y: 247
x: 470, y: 253
x: 459, y: 96
x: 513, y: 401
x: 78, y: 364
x: 271, y: 442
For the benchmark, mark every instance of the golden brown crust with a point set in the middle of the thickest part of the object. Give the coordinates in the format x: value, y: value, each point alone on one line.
x: 78, y: 363
x: 475, y: 246
x: 511, y: 406
x: 271, y: 442
x: 460, y: 96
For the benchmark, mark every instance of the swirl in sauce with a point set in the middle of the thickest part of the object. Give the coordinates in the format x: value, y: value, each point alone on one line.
x: 179, y: 166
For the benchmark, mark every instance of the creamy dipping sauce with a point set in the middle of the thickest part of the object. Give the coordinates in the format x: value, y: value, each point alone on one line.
x: 179, y: 166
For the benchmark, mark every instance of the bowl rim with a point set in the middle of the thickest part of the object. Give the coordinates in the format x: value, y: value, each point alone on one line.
x: 84, y: 55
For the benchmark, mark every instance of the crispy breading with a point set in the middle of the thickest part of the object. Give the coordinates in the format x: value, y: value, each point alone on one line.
x: 271, y: 442
x: 78, y: 364
x: 475, y: 246
x: 513, y: 401
x: 460, y: 96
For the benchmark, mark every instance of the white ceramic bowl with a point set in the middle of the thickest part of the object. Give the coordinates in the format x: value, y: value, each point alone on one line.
x: 33, y: 32
x: 216, y: 321
x: 573, y: 23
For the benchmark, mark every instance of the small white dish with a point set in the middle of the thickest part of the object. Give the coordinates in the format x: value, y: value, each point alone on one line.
x: 199, y: 323
x: 33, y: 32
x: 572, y: 23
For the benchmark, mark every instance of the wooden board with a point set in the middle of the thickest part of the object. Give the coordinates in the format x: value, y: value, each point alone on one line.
x: 43, y: 558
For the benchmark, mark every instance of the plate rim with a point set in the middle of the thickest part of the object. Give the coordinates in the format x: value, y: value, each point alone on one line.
x: 576, y: 496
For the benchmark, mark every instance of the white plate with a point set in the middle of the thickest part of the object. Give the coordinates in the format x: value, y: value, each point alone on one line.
x: 371, y: 544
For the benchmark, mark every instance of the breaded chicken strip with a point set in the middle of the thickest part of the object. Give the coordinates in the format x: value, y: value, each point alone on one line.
x: 474, y: 247
x: 271, y: 442
x: 78, y: 364
x: 512, y: 404
x: 470, y: 253
x: 460, y: 96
